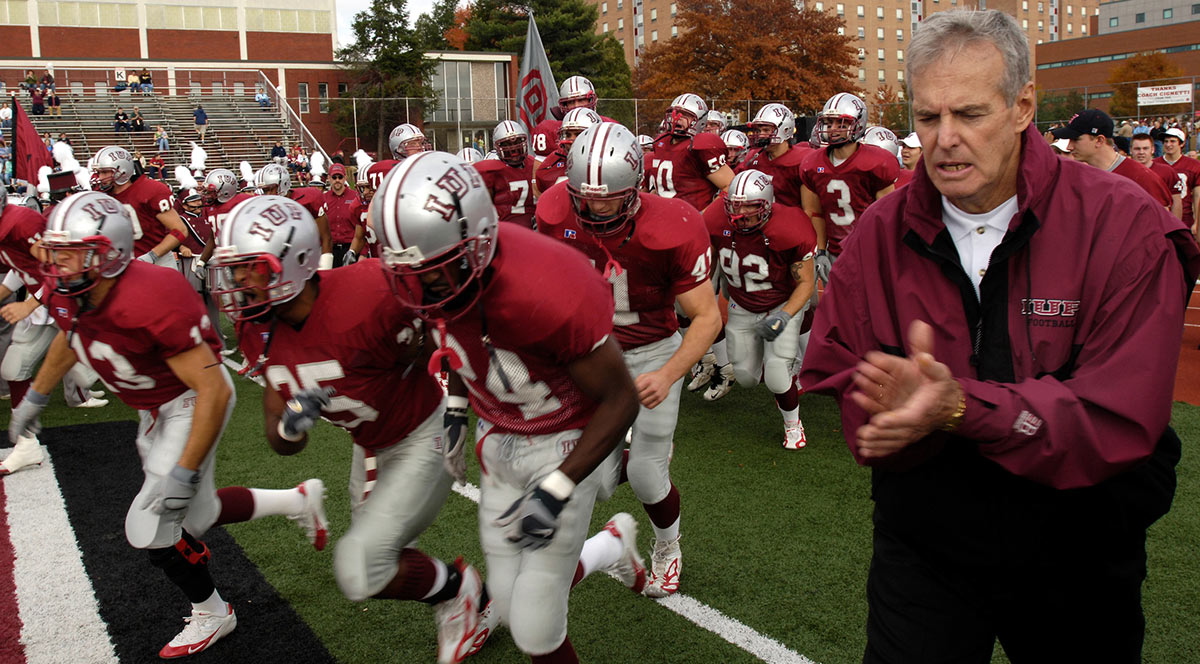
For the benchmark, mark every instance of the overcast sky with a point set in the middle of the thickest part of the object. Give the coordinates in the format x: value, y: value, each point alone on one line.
x: 346, y: 9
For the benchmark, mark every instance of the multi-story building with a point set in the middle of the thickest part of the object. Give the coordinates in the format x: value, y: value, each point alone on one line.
x: 1124, y: 15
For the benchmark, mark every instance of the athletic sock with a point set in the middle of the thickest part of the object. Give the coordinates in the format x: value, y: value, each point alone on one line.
x: 282, y: 502
x: 565, y: 654
x: 445, y: 583
x: 599, y: 551
x: 16, y: 391
x: 214, y: 604
x: 718, y: 349
x: 664, y: 515
x: 789, y: 401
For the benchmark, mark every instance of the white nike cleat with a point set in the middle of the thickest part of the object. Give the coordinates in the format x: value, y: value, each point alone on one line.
x: 702, y: 372
x: 458, y: 618
x: 27, y: 452
x: 312, y: 518
x: 667, y: 562
x: 489, y: 620
x: 629, y: 569
x: 793, y: 437
x: 722, y: 382
x: 202, y: 630
x: 96, y: 394
x: 93, y: 402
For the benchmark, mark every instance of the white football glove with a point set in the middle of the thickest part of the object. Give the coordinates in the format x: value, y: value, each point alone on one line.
x: 823, y: 264
x: 25, y: 416
x: 148, y: 257
x: 198, y: 269
x: 300, y: 412
x: 532, y: 520
x: 172, y: 493
x: 351, y: 258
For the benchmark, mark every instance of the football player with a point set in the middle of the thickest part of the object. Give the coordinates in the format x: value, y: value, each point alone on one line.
x: 274, y: 180
x: 162, y: 361
x: 553, y: 169
x: 343, y: 208
x: 407, y: 140
x: 882, y: 137
x: 765, y: 250
x: 843, y: 177
x: 158, y: 230
x: 338, y: 345
x: 1188, y: 169
x: 687, y: 163
x: 575, y: 92
x: 647, y: 143
x: 736, y: 145
x: 910, y: 152
x: 653, y: 252
x: 1141, y: 150
x: 772, y: 131
x: 714, y: 123
x: 525, y: 325
x: 470, y: 155
x: 509, y: 178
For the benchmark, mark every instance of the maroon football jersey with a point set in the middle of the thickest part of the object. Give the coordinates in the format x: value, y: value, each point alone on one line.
x: 311, y: 198
x: 785, y: 172
x: 545, y: 308
x: 20, y: 229
x: 152, y: 313
x: 904, y: 177
x: 1145, y: 179
x: 669, y: 253
x: 378, y: 170
x: 550, y: 172
x: 1188, y: 170
x: 680, y: 170
x: 510, y: 189
x: 846, y: 190
x: 757, y: 265
x: 354, y: 340
x: 146, y: 198
x: 344, y: 214
x: 215, y: 216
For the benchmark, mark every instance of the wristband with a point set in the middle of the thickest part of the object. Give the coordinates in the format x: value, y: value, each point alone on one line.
x: 557, y: 484
x: 326, y: 262
x: 36, y: 398
x: 177, y: 234
x: 454, y: 401
x: 184, y: 475
x: 284, y: 434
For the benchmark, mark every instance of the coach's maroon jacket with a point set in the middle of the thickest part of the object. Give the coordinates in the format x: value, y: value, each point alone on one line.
x: 1068, y: 365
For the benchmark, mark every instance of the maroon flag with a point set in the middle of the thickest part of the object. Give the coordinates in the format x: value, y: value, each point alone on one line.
x: 29, y: 153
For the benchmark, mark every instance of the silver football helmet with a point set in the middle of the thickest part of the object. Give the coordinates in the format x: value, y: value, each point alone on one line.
x: 115, y: 160
x: 406, y: 140
x: 220, y: 186
x: 715, y: 122
x: 437, y: 229
x: 736, y: 145
x: 604, y: 172
x: 647, y: 143
x: 577, y: 89
x: 842, y: 120
x: 273, y: 180
x: 266, y: 250
x: 573, y: 124
x: 748, y: 200
x: 511, y: 141
x: 884, y: 138
x: 773, y: 124
x: 686, y: 114
x: 88, y: 232
x: 470, y: 155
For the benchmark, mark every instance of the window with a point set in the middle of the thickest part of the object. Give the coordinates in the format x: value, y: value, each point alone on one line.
x: 1070, y: 10
x: 1139, y: 17
x: 653, y: 15
x: 620, y: 24
x: 603, y: 7
x: 342, y: 89
x: 1113, y: 22
x: 1196, y: 9
x: 899, y: 55
x: 1083, y: 28
x: 900, y: 77
x: 820, y: 6
x: 1025, y: 23
x: 899, y: 34
x: 879, y: 13
x: 1070, y: 29
x: 1024, y: 5
x: 1041, y: 7
x: 605, y: 26
x: 862, y: 54
x: 882, y: 56
x: 302, y: 94
x: 1041, y: 26
x: 674, y: 31
x: 862, y: 32
x: 861, y: 11
x: 672, y: 10
x: 653, y: 36
x: 323, y: 97
x: 622, y: 42
x: 879, y: 34
x: 882, y: 75
x: 841, y: 10
x: 1168, y: 13
x: 641, y: 40
x: 841, y: 31
x: 899, y: 14
x: 862, y: 74
x: 620, y: 5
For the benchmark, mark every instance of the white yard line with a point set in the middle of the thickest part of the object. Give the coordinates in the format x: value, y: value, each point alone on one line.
x: 733, y: 631
x: 55, y: 598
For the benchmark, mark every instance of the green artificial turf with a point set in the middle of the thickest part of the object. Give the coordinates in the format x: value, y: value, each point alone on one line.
x: 777, y: 540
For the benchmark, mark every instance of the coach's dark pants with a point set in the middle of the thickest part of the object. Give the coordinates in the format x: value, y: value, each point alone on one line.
x: 966, y: 554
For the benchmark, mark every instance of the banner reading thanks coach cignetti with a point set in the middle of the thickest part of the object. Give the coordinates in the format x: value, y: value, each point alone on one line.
x: 538, y: 93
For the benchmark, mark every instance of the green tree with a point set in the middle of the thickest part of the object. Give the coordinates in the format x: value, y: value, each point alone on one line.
x: 385, y: 65
x: 431, y: 28
x: 890, y: 110
x: 568, y: 30
x: 1058, y: 107
x: 1150, y: 69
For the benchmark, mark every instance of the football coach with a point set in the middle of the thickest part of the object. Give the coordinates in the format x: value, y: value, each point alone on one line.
x: 1002, y: 336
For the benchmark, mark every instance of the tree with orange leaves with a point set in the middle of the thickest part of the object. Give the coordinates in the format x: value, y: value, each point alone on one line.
x: 751, y: 49
x: 1146, y: 69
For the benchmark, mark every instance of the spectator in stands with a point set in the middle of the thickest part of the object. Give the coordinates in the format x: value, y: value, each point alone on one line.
x: 201, y: 121
x: 133, y: 81
x: 121, y: 120
x: 279, y: 154
x: 6, y: 116
x: 156, y: 167
x: 141, y: 161
x: 137, y: 122
x: 261, y: 97
x: 37, y: 98
x: 30, y: 82
x: 62, y: 138
x: 1126, y: 129
x: 48, y: 80
x: 160, y: 139
x: 54, y: 103
x: 147, y: 82
x: 5, y: 157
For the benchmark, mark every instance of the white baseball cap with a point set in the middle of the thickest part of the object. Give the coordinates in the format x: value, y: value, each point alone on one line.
x: 911, y: 141
x: 1062, y: 144
x: 1177, y: 133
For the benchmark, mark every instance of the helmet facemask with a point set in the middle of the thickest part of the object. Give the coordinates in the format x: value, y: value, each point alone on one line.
x: 104, y: 179
x: 236, y: 277
x: 592, y: 208
x: 681, y: 122
x: 764, y: 133
x: 73, y: 266
x: 747, y: 216
x: 835, y: 130
x: 513, y: 150
x: 445, y: 286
